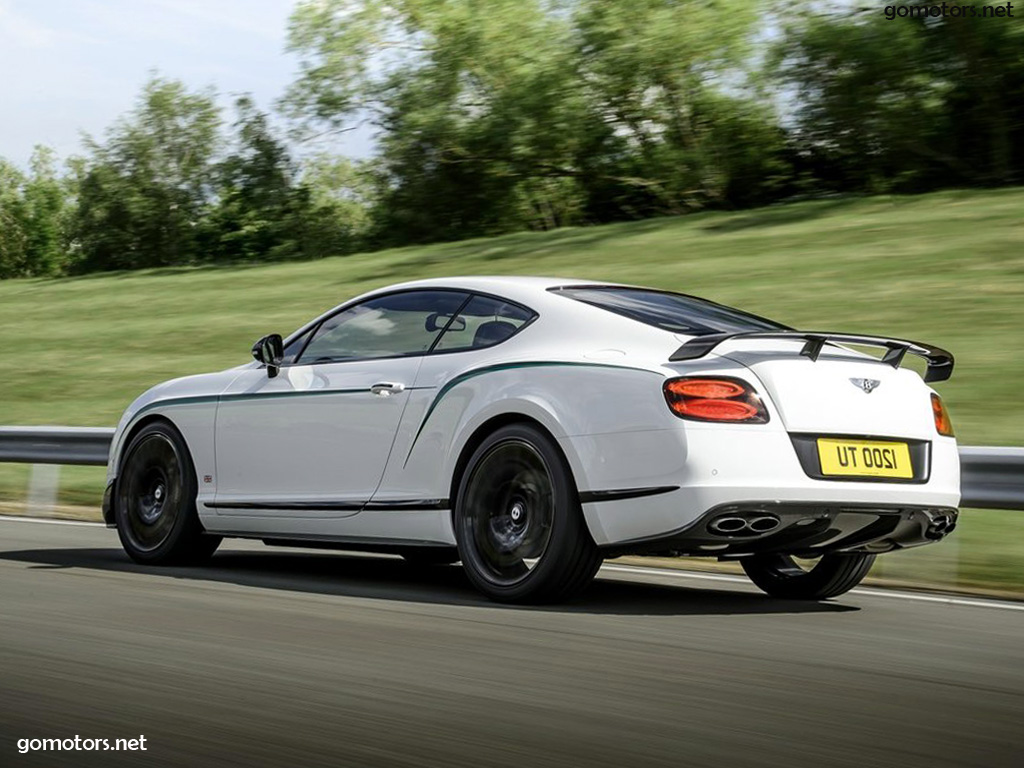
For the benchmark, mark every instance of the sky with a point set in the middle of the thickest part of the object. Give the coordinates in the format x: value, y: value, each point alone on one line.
x: 76, y: 65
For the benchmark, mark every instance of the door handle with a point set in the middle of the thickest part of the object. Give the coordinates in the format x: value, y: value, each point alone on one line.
x: 387, y: 388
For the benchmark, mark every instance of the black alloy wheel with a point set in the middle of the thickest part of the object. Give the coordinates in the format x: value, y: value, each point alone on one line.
x: 155, y: 500
x: 520, y: 530
x: 830, y: 576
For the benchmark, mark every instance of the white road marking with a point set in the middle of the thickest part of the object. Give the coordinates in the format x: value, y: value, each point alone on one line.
x: 48, y: 521
x: 867, y: 591
x: 672, y: 572
x: 947, y: 599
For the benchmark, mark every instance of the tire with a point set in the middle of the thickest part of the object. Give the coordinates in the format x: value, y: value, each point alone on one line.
x: 833, y: 575
x: 155, y: 501
x: 518, y: 522
x: 429, y: 556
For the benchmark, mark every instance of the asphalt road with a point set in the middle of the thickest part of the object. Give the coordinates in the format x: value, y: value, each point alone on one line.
x: 279, y: 657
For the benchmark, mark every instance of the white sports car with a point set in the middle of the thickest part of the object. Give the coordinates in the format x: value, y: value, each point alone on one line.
x: 531, y: 427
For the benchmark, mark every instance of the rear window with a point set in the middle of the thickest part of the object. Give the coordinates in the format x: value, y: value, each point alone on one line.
x: 675, y: 312
x: 483, y: 322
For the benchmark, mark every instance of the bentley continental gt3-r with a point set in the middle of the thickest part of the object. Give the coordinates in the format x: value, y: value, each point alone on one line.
x: 532, y: 427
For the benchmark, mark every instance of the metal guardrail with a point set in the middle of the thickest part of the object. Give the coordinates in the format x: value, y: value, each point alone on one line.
x: 55, y: 445
x: 991, y: 478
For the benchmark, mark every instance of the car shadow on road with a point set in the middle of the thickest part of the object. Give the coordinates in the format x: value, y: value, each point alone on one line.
x: 390, y: 578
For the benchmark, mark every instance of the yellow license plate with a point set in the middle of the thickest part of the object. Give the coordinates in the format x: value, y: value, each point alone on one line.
x: 864, y: 458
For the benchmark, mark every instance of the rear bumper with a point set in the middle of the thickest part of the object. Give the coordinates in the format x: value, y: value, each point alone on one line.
x: 713, y: 467
x: 803, y: 529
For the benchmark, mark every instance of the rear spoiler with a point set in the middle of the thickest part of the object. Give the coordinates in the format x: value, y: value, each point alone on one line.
x: 940, y: 362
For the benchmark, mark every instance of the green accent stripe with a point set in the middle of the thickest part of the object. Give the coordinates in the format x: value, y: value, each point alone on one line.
x: 505, y: 367
x: 242, y: 396
x: 195, y: 400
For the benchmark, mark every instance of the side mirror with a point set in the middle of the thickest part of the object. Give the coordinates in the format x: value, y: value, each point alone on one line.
x: 270, y: 351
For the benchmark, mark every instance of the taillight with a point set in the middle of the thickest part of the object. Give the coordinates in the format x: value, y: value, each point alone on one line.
x: 722, y: 399
x: 943, y: 425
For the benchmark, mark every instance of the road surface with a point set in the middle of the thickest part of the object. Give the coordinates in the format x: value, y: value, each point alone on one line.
x: 286, y: 658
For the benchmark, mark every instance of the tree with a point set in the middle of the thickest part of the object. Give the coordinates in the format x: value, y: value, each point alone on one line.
x: 906, y: 104
x: 12, y: 221
x: 343, y: 193
x: 525, y: 113
x: 657, y: 70
x: 265, y: 212
x: 32, y: 213
x: 46, y: 200
x: 258, y: 210
x: 143, y: 193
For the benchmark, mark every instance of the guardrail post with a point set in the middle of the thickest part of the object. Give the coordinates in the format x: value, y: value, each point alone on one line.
x: 43, y: 482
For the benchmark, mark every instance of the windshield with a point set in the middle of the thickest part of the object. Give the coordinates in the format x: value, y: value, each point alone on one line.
x: 675, y: 312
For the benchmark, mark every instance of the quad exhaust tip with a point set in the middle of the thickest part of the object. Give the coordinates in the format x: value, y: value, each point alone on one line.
x: 736, y: 525
x: 764, y: 524
x: 940, y: 527
x: 728, y: 525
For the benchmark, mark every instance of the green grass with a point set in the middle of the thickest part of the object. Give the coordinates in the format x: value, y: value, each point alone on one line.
x: 985, y: 552
x: 946, y: 268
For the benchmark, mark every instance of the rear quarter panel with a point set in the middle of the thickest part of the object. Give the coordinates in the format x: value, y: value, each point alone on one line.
x: 568, y: 397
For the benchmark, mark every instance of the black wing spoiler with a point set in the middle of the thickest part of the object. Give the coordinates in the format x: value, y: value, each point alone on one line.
x: 940, y: 362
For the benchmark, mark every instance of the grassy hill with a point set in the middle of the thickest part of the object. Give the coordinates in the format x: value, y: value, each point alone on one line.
x: 947, y: 268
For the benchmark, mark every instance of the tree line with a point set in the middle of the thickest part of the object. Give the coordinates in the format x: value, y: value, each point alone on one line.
x: 529, y: 114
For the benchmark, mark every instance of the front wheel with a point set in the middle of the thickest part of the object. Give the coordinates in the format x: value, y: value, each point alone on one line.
x: 155, y: 501
x: 782, y: 576
x: 518, y: 522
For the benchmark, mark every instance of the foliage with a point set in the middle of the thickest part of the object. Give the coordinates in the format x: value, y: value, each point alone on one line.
x: 261, y: 211
x: 167, y: 188
x: 906, y: 104
x: 342, y: 192
x: 142, y: 194
x: 531, y: 114
x: 32, y: 212
x: 524, y: 113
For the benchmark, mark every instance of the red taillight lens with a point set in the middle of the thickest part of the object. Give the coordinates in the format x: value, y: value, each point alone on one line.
x: 715, y: 399
x: 716, y: 410
x: 943, y: 424
x: 714, y: 389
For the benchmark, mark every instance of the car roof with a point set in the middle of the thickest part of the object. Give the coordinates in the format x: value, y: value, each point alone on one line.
x: 495, y: 283
x: 525, y: 289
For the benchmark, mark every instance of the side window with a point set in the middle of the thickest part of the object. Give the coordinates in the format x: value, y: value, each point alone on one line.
x: 483, y: 322
x: 293, y: 348
x: 387, y: 326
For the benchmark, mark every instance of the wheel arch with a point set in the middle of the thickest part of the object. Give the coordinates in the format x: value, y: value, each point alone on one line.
x: 134, y: 429
x: 574, y: 557
x: 488, y: 427
x: 125, y: 440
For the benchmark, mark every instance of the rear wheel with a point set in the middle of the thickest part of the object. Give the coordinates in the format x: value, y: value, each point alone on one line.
x: 155, y: 509
x: 783, y: 576
x: 518, y: 523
